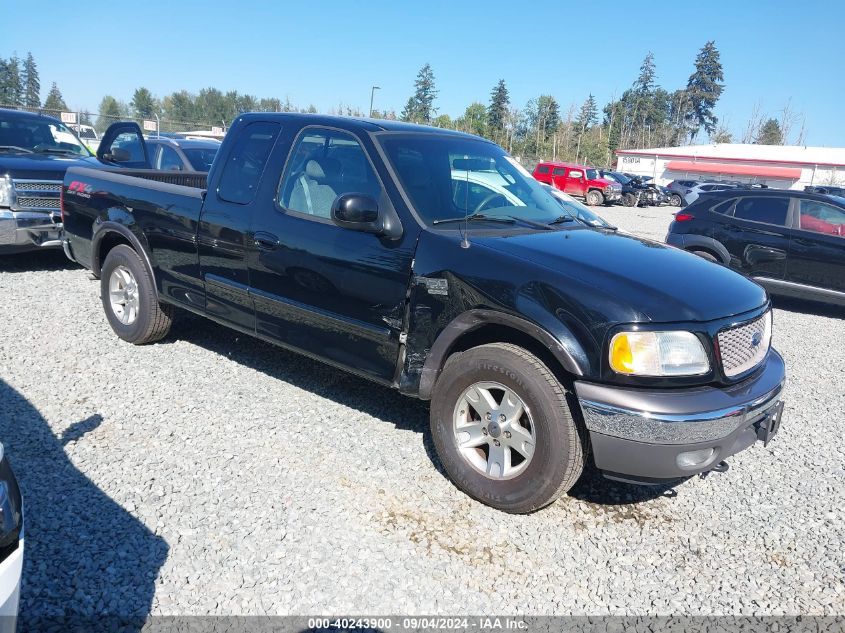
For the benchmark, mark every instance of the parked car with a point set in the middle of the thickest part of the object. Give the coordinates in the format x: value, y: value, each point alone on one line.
x: 579, y: 180
x: 634, y: 191
x: 578, y: 211
x: 694, y: 192
x: 174, y: 154
x: 792, y: 242
x: 88, y: 135
x: 537, y: 339
x: 35, y: 151
x: 11, y: 545
x: 831, y: 190
x: 657, y: 195
x: 678, y: 189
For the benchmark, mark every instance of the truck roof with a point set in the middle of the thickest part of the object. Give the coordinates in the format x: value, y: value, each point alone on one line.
x: 365, y: 124
x: 23, y: 114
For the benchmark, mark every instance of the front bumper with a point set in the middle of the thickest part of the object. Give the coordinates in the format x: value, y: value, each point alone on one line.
x: 29, y: 230
x: 611, y: 195
x: 655, y: 435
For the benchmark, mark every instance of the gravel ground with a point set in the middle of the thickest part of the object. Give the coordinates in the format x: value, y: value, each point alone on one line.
x: 215, y: 474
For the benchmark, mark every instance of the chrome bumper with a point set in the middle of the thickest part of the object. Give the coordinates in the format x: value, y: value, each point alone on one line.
x: 29, y: 229
x: 683, y: 416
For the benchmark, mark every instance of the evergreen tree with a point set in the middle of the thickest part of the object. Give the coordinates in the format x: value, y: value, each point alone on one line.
x: 32, y: 84
x: 420, y: 107
x: 11, y: 83
x: 497, y: 112
x: 143, y: 104
x: 587, y: 116
x: 704, y: 89
x: 54, y: 101
x: 109, y: 112
x: 645, y: 83
x: 770, y: 133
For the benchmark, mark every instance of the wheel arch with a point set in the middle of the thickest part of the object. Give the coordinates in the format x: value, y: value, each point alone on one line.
x: 108, y: 235
x: 703, y: 243
x: 479, y: 327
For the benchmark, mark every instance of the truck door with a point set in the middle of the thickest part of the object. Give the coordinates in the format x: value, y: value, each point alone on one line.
x: 333, y: 292
x: 123, y: 145
x: 225, y: 222
x: 817, y: 245
x: 559, y: 178
x: 575, y: 182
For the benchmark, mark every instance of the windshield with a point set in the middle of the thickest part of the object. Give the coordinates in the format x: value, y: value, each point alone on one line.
x: 577, y: 210
x: 448, y: 177
x: 39, y: 136
x: 620, y: 178
x: 201, y: 158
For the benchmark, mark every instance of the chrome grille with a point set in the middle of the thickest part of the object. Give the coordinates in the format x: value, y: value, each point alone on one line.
x: 737, y: 347
x: 36, y: 195
x: 38, y: 203
x: 25, y: 185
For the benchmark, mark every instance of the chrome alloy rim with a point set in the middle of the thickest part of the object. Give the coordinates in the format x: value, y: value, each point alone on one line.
x: 494, y: 431
x: 123, y: 295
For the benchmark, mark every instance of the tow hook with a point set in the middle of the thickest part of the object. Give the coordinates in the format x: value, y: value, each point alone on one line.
x: 721, y: 467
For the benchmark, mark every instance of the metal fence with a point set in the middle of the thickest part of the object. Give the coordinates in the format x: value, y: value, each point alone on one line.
x: 76, y: 118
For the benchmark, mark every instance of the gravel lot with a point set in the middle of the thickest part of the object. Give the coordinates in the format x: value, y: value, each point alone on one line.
x: 215, y: 474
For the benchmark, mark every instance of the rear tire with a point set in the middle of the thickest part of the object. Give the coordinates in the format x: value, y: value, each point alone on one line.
x: 675, y: 200
x: 127, y: 290
x: 504, y: 379
x: 594, y: 198
x: 706, y: 255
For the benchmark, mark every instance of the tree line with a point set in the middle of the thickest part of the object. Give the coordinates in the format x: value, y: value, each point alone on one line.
x: 644, y: 115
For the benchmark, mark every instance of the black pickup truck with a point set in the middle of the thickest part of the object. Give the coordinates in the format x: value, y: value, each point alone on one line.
x: 430, y: 261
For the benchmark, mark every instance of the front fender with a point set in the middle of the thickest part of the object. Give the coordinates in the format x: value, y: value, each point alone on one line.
x: 562, y: 344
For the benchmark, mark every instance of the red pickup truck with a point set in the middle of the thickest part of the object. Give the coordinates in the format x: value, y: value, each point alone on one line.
x: 579, y: 180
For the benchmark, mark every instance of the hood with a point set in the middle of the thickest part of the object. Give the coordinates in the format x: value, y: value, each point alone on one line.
x: 651, y: 280
x: 605, y: 182
x: 46, y: 166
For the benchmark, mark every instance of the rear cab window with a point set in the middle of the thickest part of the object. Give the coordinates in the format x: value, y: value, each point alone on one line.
x: 246, y: 161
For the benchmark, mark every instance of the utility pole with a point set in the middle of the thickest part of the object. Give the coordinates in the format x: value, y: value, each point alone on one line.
x: 372, y: 94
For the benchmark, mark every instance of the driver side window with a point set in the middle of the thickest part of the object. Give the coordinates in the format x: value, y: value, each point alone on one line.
x: 323, y: 165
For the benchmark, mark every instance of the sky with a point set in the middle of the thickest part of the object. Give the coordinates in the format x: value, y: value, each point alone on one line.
x: 326, y: 53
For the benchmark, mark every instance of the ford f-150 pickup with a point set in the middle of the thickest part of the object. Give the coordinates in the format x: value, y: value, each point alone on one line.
x: 383, y: 249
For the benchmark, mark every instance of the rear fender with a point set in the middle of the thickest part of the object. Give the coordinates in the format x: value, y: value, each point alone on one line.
x: 119, y: 222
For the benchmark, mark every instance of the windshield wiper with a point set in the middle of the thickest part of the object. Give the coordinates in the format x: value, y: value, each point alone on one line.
x: 476, y: 216
x: 15, y: 148
x: 561, y: 219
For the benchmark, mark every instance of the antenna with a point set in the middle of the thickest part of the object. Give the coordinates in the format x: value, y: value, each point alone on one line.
x: 465, y: 236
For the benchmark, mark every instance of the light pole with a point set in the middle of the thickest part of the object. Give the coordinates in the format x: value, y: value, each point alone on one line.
x: 372, y: 94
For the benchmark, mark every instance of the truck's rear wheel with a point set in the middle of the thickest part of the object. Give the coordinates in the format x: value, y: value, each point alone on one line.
x: 128, y: 294
x: 503, y: 429
x: 594, y: 198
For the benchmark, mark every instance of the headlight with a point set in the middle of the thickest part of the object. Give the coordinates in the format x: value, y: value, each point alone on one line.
x: 5, y: 191
x: 658, y: 354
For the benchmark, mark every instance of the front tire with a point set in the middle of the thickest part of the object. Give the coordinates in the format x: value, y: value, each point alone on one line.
x: 127, y: 291
x: 594, y: 198
x: 629, y: 200
x: 503, y: 429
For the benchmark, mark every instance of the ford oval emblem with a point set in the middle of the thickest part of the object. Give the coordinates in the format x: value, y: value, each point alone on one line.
x: 756, y: 338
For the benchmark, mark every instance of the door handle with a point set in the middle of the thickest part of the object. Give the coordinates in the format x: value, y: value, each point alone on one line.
x: 265, y: 241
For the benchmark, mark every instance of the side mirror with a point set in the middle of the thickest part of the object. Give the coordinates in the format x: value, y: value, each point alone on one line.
x: 119, y: 155
x: 358, y: 212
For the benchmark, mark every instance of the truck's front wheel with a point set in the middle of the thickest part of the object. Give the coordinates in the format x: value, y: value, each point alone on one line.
x: 128, y: 294
x: 594, y: 198
x: 503, y: 429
